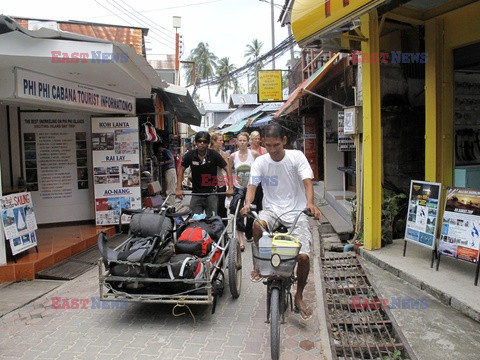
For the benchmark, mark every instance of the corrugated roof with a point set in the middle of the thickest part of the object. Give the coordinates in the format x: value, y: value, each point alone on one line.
x: 237, y: 100
x: 237, y: 116
x: 164, y: 64
x: 120, y: 34
x: 216, y: 107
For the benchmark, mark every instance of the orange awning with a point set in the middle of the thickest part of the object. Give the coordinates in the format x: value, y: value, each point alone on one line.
x: 308, y: 84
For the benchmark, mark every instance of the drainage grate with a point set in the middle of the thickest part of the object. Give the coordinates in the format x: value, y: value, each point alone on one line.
x: 360, y: 326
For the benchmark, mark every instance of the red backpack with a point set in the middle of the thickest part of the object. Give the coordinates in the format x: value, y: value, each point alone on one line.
x: 195, y: 241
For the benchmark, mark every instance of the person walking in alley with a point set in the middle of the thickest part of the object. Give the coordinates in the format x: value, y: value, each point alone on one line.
x: 203, y: 163
x: 167, y: 171
x: 255, y: 145
x: 216, y: 143
x: 241, y: 161
x: 287, y: 186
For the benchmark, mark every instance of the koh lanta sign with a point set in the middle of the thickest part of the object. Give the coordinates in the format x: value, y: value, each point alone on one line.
x: 43, y: 88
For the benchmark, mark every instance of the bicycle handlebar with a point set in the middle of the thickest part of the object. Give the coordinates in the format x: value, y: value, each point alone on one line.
x: 252, y: 212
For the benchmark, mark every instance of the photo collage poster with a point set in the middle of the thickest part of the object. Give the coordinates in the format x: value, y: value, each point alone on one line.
x: 422, y: 214
x: 116, y: 168
x: 460, y: 236
x: 19, y: 223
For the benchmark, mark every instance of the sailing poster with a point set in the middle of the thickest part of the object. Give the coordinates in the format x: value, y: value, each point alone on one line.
x: 460, y: 237
x: 422, y: 215
x: 18, y: 219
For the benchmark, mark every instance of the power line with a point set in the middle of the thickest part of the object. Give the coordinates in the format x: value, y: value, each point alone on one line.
x: 135, y: 18
x: 170, y: 34
x: 241, y: 72
x: 169, y: 45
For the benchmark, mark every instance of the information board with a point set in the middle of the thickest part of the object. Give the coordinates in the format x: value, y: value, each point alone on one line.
x: 460, y: 236
x: 116, y: 167
x: 19, y: 222
x: 422, y: 214
x: 57, y: 160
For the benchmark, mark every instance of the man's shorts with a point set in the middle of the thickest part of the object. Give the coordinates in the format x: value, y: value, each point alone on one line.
x: 301, y: 231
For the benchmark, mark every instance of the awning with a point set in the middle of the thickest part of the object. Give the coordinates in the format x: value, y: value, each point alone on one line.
x: 263, y: 121
x: 313, y: 19
x: 306, y: 86
x: 234, y: 128
x: 197, y: 129
x: 34, y: 50
x: 181, y: 104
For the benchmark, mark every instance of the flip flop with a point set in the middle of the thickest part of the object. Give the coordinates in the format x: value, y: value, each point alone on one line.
x: 250, y: 240
x: 305, y: 313
x: 255, y: 277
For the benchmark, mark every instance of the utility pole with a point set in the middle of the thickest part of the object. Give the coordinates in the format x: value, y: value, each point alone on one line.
x: 273, y: 33
x: 177, y: 23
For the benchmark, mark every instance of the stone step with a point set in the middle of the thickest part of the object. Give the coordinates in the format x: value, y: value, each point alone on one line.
x: 341, y: 227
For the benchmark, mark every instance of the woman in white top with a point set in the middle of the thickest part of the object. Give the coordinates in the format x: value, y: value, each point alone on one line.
x: 241, y: 161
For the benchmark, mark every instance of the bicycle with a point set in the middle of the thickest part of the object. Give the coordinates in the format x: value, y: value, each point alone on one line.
x: 276, y: 265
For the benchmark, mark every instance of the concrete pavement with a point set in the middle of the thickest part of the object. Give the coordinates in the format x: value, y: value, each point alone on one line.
x: 237, y: 330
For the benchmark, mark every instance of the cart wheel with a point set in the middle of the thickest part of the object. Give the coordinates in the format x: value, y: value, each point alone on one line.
x: 235, y: 268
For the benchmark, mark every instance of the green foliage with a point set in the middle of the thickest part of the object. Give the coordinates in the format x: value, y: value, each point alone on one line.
x: 251, y: 53
x: 205, y: 62
x: 396, y: 355
x: 227, y: 81
x: 394, y: 213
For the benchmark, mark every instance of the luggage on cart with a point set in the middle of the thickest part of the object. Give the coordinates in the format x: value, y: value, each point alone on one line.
x: 150, y: 241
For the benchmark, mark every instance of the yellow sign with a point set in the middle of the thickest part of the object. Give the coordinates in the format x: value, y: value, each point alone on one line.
x: 270, y: 85
x: 313, y: 17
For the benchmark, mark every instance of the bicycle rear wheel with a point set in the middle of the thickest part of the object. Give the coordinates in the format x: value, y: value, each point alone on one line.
x: 275, y: 323
x: 235, y: 267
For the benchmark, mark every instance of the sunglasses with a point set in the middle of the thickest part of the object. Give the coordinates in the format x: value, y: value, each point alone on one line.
x: 202, y: 141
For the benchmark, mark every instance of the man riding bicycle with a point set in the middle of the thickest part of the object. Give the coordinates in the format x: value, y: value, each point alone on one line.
x: 286, y: 178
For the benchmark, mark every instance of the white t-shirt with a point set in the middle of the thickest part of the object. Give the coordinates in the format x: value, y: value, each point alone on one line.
x: 282, y: 182
x: 242, y: 169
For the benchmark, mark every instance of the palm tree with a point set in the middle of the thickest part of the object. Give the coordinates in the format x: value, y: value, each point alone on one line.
x: 205, y: 61
x: 251, y: 53
x: 227, y: 81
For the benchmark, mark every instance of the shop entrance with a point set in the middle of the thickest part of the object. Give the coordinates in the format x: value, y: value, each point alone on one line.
x: 467, y: 116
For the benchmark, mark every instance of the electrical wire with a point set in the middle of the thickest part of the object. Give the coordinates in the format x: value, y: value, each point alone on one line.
x: 243, y: 71
x: 163, y: 31
x: 142, y: 23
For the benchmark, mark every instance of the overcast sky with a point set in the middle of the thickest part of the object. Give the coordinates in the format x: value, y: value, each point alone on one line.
x: 226, y: 25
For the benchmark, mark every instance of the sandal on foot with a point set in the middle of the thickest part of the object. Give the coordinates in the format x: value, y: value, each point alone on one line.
x: 242, y: 248
x: 255, y: 277
x: 306, y: 313
x: 250, y: 240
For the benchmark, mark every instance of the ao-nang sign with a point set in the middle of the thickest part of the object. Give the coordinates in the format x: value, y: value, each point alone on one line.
x: 422, y: 215
x: 270, y: 86
x: 116, y: 168
x: 460, y: 237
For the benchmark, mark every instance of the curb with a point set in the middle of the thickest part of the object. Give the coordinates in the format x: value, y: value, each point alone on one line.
x: 444, y: 298
x: 320, y: 309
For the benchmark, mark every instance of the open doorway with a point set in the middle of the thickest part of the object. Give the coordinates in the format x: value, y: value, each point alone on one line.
x: 467, y: 116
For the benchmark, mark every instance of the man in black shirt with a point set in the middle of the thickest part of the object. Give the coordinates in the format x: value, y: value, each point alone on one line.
x: 203, y: 163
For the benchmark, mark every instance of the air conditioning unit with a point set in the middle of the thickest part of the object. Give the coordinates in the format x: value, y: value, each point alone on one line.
x: 352, y: 123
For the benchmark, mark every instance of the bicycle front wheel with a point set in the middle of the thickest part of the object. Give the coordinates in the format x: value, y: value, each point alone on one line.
x: 275, y: 324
